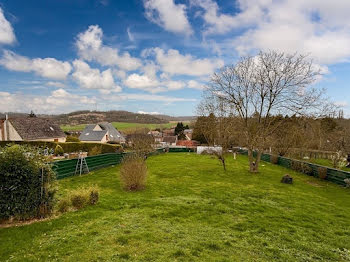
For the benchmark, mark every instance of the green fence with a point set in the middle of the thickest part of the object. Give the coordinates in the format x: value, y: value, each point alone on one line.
x: 333, y: 175
x: 66, y: 168
x: 180, y: 150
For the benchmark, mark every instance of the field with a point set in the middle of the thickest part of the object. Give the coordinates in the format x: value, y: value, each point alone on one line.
x: 192, y: 210
x: 123, y: 126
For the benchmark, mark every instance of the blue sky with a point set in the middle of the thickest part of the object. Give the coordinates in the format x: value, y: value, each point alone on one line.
x: 155, y: 56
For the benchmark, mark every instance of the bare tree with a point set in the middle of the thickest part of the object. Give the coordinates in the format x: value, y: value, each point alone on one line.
x: 217, y: 127
x: 258, y: 87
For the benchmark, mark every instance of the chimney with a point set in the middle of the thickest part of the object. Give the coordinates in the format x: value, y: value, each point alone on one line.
x: 6, y: 117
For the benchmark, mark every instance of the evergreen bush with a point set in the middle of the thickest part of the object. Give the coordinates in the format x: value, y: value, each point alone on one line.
x: 27, y: 183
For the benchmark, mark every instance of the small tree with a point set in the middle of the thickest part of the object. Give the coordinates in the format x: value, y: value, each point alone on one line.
x: 141, y: 144
x: 258, y: 87
x: 217, y: 127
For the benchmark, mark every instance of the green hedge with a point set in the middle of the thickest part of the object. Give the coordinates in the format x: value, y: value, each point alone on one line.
x: 333, y: 175
x: 26, y: 183
x: 69, y: 147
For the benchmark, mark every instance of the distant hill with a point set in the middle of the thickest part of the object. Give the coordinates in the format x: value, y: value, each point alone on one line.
x: 86, y: 117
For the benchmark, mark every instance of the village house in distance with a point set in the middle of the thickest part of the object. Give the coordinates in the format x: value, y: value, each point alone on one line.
x: 30, y: 129
x: 101, y: 133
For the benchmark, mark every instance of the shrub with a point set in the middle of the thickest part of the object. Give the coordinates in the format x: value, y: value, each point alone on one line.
x: 274, y: 159
x: 96, y: 150
x: 79, y: 198
x: 64, y: 205
x: 94, y: 195
x: 84, y: 196
x: 133, y: 173
x: 301, y: 167
x: 72, y: 139
x: 347, y: 182
x: 322, y: 172
x: 27, y: 183
x: 59, y: 150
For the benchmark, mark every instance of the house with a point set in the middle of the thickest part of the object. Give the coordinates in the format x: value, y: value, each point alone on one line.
x: 188, y: 133
x: 170, y: 140
x: 30, y: 129
x: 169, y: 132
x: 187, y: 143
x: 158, y: 136
x: 101, y: 133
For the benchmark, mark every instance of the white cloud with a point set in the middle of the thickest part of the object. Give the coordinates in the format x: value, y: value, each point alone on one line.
x: 195, y: 85
x: 56, y: 84
x: 59, y: 101
x: 130, y: 35
x: 45, y: 67
x: 168, y: 15
x: 7, y: 35
x: 143, y: 82
x: 218, y: 23
x: 148, y: 113
x: 91, y: 78
x: 91, y: 48
x: 174, y: 63
x: 148, y: 97
x: 316, y: 27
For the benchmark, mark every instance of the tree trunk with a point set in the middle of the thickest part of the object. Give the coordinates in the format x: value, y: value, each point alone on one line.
x: 254, y: 163
x: 223, y: 163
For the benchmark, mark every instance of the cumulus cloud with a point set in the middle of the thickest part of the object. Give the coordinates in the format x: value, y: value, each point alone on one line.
x: 45, y: 67
x: 7, y: 35
x: 218, y: 23
x: 168, y: 15
x: 195, y: 85
x: 91, y: 48
x: 315, y: 27
x: 92, y: 78
x: 57, y: 102
x: 174, y: 63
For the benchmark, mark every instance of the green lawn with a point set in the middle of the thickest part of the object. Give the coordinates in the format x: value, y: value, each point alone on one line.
x: 325, y: 162
x: 123, y: 126
x: 193, y: 211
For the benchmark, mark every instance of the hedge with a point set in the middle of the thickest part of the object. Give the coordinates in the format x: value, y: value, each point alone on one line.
x: 26, y: 184
x: 333, y: 175
x: 68, y: 147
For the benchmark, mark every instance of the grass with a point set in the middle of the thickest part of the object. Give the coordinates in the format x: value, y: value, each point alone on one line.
x: 123, y: 126
x: 325, y: 162
x: 193, y: 211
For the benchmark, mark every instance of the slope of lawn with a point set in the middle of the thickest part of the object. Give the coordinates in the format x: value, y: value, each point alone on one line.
x: 326, y: 162
x: 193, y: 211
x: 122, y: 126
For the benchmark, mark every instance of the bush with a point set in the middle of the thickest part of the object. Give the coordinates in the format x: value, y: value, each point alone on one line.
x: 64, y: 205
x: 322, y: 172
x: 79, y: 198
x: 84, y: 196
x: 27, y: 183
x: 94, y: 195
x: 72, y: 139
x: 96, y: 150
x: 274, y: 159
x: 133, y: 173
x: 59, y: 150
x: 301, y: 167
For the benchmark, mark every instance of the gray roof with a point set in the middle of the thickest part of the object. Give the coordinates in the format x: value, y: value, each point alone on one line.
x: 32, y: 128
x: 89, y: 134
